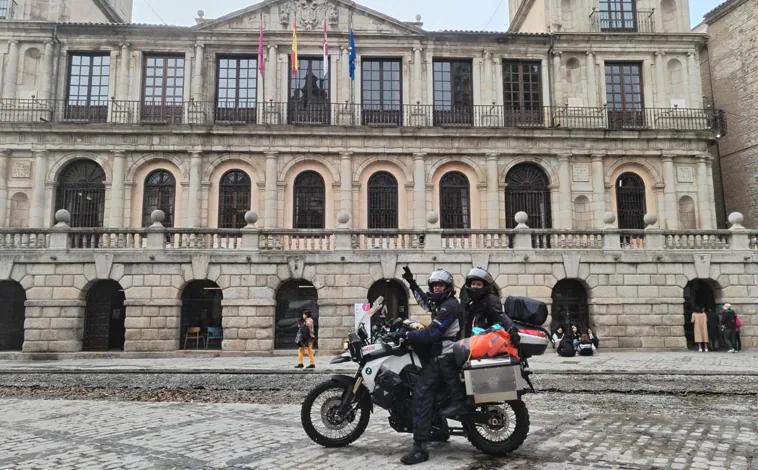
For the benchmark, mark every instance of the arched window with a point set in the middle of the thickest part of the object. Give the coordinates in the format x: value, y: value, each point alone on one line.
x: 527, y: 189
x: 233, y: 199
x: 310, y: 201
x: 455, y: 204
x: 291, y: 299
x: 382, y: 200
x: 570, y: 306
x: 160, y: 194
x: 81, y: 192
x: 630, y: 201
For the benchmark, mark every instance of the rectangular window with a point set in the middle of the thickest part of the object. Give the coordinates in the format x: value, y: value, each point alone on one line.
x: 163, y: 92
x: 522, y: 93
x: 5, y: 9
x: 309, y: 93
x: 453, y: 93
x: 623, y: 94
x: 618, y: 16
x: 381, y: 92
x: 87, y: 93
x: 237, y: 89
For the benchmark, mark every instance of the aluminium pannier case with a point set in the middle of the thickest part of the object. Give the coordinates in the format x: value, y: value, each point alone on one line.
x: 493, y: 380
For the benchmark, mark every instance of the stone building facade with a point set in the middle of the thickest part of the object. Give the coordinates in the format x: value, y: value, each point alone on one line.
x: 279, y: 189
x: 730, y: 83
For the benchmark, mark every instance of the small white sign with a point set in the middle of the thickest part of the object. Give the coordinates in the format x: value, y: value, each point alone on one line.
x: 360, y: 311
x: 581, y: 173
x: 684, y: 174
x: 21, y: 170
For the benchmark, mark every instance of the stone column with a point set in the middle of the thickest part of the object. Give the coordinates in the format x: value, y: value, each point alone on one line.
x: 493, y: 199
x: 703, y: 193
x: 197, y: 79
x: 591, y: 86
x: 564, y: 203
x: 346, y: 185
x: 694, y: 83
x: 4, y: 164
x: 660, y: 81
x: 47, y: 71
x: 271, y: 207
x: 418, y: 79
x: 117, y: 189
x: 711, y: 193
x: 271, y: 72
x: 343, y: 90
x: 669, y: 218
x: 122, y: 90
x: 11, y: 72
x: 419, y: 191
x: 598, y: 189
x: 37, y: 212
x: 488, y: 80
x: 193, y: 214
x: 557, y: 79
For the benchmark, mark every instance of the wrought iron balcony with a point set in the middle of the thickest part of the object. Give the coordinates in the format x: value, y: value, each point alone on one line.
x: 639, y: 21
x: 364, y: 115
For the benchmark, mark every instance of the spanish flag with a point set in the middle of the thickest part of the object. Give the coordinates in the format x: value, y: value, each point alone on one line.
x: 294, y: 59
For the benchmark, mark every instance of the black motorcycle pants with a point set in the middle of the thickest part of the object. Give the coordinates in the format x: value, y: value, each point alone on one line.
x: 436, y: 375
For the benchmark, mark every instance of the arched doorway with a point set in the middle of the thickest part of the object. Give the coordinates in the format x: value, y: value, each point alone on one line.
x: 528, y: 189
x: 81, y: 191
x: 630, y: 201
x: 201, y: 308
x: 395, y: 297
x: 309, y: 211
x: 382, y: 201
x: 12, y: 309
x: 104, y: 318
x: 697, y: 292
x: 233, y: 199
x: 291, y: 299
x: 455, y: 204
x: 570, y: 305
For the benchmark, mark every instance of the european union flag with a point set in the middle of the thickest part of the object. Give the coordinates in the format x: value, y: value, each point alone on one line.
x: 353, y: 55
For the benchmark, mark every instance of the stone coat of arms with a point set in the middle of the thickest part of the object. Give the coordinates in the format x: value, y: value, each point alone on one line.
x: 309, y: 13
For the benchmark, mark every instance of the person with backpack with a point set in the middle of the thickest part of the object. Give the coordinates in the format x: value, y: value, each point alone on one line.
x: 585, y: 348
x: 566, y: 347
x: 306, y: 335
x: 737, y: 339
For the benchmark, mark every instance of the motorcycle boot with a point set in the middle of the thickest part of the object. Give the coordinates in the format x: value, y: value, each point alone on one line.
x: 418, y: 454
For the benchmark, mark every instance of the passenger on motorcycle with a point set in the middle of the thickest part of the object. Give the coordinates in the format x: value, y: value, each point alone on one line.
x: 440, y: 336
x: 483, y: 310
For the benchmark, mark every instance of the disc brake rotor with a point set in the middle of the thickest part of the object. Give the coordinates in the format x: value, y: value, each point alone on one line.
x: 329, y: 415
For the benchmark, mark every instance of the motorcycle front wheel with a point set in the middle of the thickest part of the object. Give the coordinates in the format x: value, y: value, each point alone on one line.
x: 506, y: 428
x: 320, y: 420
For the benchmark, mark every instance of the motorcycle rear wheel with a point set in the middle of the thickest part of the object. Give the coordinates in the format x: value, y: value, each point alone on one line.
x: 506, y: 431
x: 331, y: 433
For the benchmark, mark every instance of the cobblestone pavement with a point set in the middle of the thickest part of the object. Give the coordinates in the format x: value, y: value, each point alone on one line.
x: 685, y: 362
x: 65, y: 435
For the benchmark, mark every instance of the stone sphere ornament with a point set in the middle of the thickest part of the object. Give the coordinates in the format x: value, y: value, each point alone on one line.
x: 157, y: 216
x: 521, y: 218
x: 609, y: 218
x: 343, y: 217
x: 432, y: 217
x: 736, y: 218
x: 251, y: 217
x: 650, y: 219
x: 63, y: 217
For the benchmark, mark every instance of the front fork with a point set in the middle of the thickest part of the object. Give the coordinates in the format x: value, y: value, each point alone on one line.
x: 350, y: 395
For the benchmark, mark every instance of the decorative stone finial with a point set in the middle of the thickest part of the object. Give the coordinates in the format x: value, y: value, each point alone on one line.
x: 157, y: 217
x: 251, y: 217
x: 200, y: 13
x: 432, y: 217
x: 343, y: 217
x: 521, y: 219
x: 609, y: 218
x: 418, y: 18
x: 735, y: 220
x: 650, y: 219
x: 63, y: 217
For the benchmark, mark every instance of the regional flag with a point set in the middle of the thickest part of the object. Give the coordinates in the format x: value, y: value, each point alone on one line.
x: 295, y: 65
x: 353, y: 55
x: 326, y: 53
x: 260, y: 52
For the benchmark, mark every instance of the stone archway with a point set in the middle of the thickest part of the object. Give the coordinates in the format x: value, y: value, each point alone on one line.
x: 698, y: 292
x: 201, y: 308
x: 569, y: 306
x: 292, y: 298
x: 395, y: 297
x: 104, y: 318
x: 12, y: 313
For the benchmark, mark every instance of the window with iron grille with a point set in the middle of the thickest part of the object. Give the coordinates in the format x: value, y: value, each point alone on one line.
x: 618, y: 16
x: 382, y: 95
x: 4, y: 9
x: 522, y: 93
x: 630, y: 201
x: 87, y: 94
x: 382, y: 200
x: 528, y: 189
x: 81, y: 192
x: 310, y: 201
x: 623, y: 94
x: 455, y: 206
x: 163, y: 89
x: 160, y: 191
x: 233, y: 199
x: 453, y: 92
x: 237, y: 89
x: 309, y: 93
x: 569, y: 307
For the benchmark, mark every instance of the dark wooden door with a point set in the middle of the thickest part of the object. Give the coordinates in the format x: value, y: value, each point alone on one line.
x: 12, y: 299
x: 104, y: 318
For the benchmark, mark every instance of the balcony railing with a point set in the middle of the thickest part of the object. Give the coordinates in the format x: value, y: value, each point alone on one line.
x: 605, y: 21
x: 368, y: 115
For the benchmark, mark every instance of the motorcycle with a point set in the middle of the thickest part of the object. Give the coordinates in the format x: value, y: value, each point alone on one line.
x: 336, y: 412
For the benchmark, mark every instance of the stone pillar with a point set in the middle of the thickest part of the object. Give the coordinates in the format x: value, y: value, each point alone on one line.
x: 271, y: 210
x: 670, y: 216
x: 37, y: 213
x: 122, y: 89
x: 4, y: 163
x: 564, y: 203
x: 660, y: 81
x: 193, y: 214
x: 346, y: 185
x: 418, y: 79
x: 419, y: 191
x: 197, y: 78
x: 711, y: 193
x: 117, y: 189
x: 703, y: 193
x: 343, y: 86
x: 493, y: 210
x: 660, y: 202
x: 694, y: 83
x: 11, y: 72
x: 47, y: 71
x: 591, y: 86
x: 598, y: 189
x: 557, y: 79
x: 488, y: 80
x: 271, y: 72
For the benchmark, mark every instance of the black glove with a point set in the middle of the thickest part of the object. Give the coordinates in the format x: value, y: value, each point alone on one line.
x: 396, y: 336
x: 515, y: 338
x: 408, y: 276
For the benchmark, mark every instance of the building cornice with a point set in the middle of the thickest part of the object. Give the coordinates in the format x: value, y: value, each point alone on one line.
x: 722, y: 10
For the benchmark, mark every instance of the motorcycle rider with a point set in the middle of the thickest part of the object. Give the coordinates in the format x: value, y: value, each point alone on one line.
x: 440, y: 336
x: 483, y: 310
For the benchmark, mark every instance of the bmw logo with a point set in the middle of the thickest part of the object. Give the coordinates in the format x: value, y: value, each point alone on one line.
x: 368, y: 371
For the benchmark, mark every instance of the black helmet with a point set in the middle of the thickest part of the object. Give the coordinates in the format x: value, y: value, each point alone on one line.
x: 444, y: 277
x: 479, y: 274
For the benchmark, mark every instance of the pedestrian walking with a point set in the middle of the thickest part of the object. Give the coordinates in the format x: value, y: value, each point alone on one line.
x: 700, y: 320
x: 714, y: 333
x: 307, y: 336
x: 729, y: 324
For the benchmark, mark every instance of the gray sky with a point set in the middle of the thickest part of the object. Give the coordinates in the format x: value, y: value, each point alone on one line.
x: 436, y: 14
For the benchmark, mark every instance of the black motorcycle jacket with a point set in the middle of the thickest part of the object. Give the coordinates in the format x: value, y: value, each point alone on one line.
x: 445, y: 327
x: 485, y: 313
